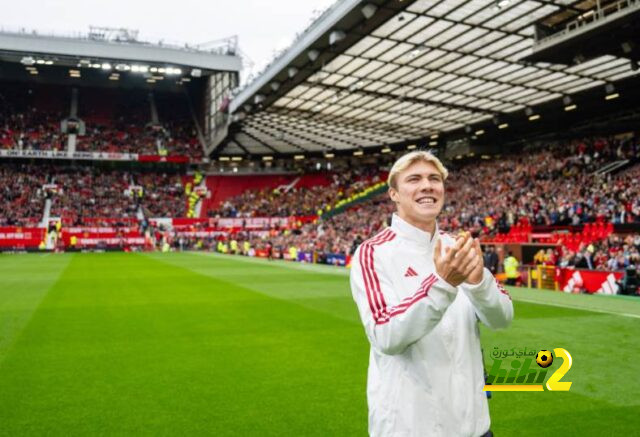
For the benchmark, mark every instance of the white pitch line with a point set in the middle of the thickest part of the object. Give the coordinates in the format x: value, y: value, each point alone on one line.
x: 637, y: 316
x: 306, y: 267
x: 330, y: 270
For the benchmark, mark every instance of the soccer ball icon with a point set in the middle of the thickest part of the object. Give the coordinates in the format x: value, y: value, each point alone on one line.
x: 544, y: 358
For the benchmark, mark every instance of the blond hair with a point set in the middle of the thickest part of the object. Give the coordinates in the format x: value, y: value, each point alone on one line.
x: 405, y: 161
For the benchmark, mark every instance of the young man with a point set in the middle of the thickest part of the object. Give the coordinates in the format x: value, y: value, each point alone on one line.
x: 420, y: 293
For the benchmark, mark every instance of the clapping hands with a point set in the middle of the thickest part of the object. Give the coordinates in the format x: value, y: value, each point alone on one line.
x: 460, y: 263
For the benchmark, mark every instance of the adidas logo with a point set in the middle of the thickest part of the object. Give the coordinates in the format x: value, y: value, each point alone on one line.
x: 410, y: 272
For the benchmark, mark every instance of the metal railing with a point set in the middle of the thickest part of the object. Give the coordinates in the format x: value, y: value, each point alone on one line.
x: 593, y: 16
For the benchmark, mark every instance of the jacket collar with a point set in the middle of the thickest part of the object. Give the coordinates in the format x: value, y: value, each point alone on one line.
x: 411, y: 232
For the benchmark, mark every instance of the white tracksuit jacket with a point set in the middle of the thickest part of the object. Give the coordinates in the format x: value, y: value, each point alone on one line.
x: 425, y: 367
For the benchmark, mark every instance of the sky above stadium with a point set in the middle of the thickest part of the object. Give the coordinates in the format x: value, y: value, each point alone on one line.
x: 261, y: 26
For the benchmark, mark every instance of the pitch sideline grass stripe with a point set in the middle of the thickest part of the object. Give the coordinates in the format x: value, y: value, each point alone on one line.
x: 342, y: 271
x: 574, y: 307
x: 312, y: 268
x: 588, y: 302
x: 618, y: 296
x: 318, y: 301
x: 18, y: 307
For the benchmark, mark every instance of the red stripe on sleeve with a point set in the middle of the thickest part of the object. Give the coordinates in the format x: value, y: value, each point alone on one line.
x: 502, y: 289
x: 366, y: 273
x: 381, y: 312
x: 377, y: 292
x: 408, y: 302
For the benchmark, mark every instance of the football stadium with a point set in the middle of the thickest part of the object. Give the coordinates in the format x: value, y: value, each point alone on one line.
x: 176, y: 244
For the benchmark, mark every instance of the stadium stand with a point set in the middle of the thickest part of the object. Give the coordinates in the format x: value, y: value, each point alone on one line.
x: 163, y: 194
x: 87, y: 192
x: 572, y: 195
x: 549, y: 187
x: 300, y: 195
x: 225, y: 187
x: 21, y: 194
x: 29, y: 120
x: 117, y: 121
x: 80, y: 192
x: 554, y: 187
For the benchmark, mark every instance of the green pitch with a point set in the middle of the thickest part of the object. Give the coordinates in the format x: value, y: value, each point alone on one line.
x: 193, y: 344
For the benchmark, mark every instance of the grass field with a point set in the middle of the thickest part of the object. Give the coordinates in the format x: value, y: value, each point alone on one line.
x: 195, y: 343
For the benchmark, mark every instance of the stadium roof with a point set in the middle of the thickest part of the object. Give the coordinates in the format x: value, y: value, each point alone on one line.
x: 367, y: 74
x: 122, y: 48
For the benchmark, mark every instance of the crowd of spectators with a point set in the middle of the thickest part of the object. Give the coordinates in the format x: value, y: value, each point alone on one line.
x: 120, y: 137
x: 125, y: 125
x: 336, y: 235
x: 21, y: 194
x: 127, y: 129
x: 341, y: 234
x: 559, y: 187
x: 126, y: 136
x: 303, y: 201
x: 180, y: 138
x: 31, y: 129
x: 163, y: 194
x: 26, y: 126
x: 551, y: 187
x: 92, y: 192
x: 547, y: 187
x: 86, y: 192
x: 615, y: 252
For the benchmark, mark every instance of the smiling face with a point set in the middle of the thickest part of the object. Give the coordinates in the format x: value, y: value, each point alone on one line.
x: 419, y: 195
